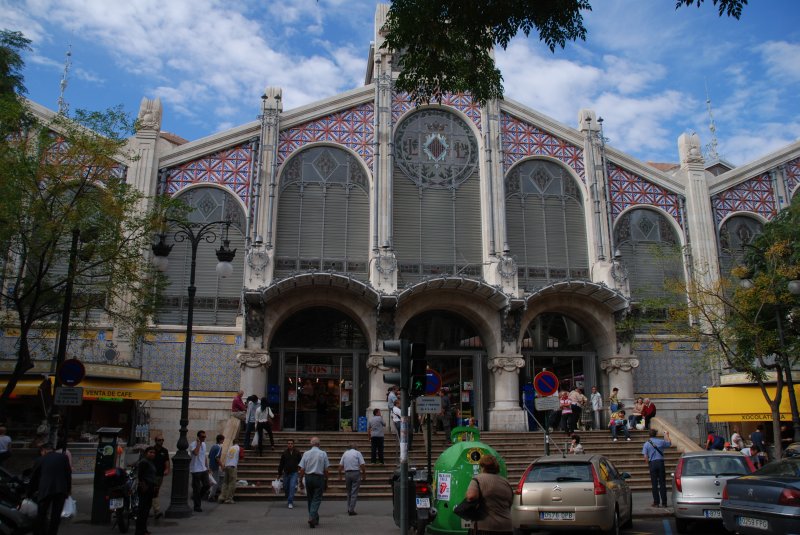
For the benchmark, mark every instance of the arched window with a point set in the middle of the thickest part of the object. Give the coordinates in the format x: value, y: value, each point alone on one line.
x: 734, y: 235
x: 545, y: 224
x: 651, y: 252
x: 323, y: 214
x: 217, y: 299
x: 436, y: 202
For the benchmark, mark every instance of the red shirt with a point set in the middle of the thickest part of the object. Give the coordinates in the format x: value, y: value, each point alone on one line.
x: 238, y: 405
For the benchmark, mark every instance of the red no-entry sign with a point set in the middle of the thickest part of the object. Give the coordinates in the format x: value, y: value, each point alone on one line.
x: 545, y: 383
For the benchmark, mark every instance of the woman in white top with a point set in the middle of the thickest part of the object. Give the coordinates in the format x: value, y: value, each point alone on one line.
x: 264, y: 418
x: 250, y: 419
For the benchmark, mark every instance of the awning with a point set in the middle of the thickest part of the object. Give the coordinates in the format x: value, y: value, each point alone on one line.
x: 746, y: 403
x: 105, y: 389
x: 24, y: 387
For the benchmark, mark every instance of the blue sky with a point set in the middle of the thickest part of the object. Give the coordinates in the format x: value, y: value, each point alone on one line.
x: 644, y: 66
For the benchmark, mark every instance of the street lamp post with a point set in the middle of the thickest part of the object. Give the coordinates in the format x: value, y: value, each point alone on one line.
x: 194, y: 233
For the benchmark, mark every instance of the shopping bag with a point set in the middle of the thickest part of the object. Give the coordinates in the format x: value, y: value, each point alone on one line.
x: 254, y: 442
x: 277, y: 486
x: 211, y: 480
x: 29, y: 508
x: 70, y: 508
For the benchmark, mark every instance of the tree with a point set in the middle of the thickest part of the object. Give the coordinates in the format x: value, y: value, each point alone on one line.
x: 70, y: 225
x: 446, y: 46
x: 751, y: 328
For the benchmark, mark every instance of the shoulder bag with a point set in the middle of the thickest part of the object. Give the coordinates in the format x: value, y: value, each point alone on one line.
x: 472, y: 510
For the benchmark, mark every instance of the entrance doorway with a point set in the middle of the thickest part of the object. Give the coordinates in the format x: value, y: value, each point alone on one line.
x: 556, y: 343
x: 317, y: 383
x: 318, y: 392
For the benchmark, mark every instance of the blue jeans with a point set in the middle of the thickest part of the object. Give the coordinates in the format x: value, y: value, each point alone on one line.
x: 290, y: 486
x: 624, y: 427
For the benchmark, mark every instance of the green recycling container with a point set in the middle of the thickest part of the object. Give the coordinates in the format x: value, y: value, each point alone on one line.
x: 452, y: 472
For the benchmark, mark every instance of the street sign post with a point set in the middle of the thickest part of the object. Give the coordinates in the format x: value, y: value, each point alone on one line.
x: 545, y: 383
x: 71, y: 372
x: 68, y: 396
x: 429, y: 405
x: 549, y: 403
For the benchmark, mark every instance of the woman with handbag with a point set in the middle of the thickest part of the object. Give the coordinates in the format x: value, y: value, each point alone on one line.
x: 497, y: 496
x: 264, y: 418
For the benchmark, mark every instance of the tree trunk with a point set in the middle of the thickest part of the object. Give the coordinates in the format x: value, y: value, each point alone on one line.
x: 23, y: 365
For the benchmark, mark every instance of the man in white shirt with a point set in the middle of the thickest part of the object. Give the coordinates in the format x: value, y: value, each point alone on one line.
x: 198, y: 467
x: 232, y: 457
x: 313, y: 469
x: 5, y: 445
x: 354, y: 468
x: 597, y: 407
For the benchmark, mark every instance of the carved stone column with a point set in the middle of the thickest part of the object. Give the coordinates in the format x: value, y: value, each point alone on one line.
x: 620, y: 375
x: 505, y: 412
x: 254, y: 364
x: 377, y: 388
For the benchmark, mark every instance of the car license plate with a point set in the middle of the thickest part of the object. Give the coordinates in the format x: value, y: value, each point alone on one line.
x: 747, y: 522
x: 423, y: 503
x: 556, y: 515
x: 115, y: 503
x: 712, y: 513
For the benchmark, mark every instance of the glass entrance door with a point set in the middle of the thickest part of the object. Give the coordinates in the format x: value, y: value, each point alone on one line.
x: 318, y: 392
x: 461, y: 384
x: 574, y: 370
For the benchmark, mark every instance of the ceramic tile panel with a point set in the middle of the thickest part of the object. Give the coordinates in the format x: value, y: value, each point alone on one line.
x: 669, y: 368
x: 521, y: 139
x: 629, y: 189
x: 352, y: 128
x: 792, y: 172
x: 754, y: 195
x: 231, y: 168
x: 401, y: 103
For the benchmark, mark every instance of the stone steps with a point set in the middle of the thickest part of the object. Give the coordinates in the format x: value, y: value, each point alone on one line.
x: 517, y: 449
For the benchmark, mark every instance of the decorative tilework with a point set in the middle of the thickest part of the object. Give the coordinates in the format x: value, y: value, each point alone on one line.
x: 89, y: 346
x: 401, y: 103
x: 669, y: 369
x: 628, y: 189
x: 792, y: 173
x: 214, y: 365
x: 55, y: 155
x: 352, y: 128
x: 521, y: 139
x: 753, y: 195
x: 231, y: 168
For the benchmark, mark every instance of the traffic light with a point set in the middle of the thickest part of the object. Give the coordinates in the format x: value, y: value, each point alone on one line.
x: 401, y: 362
x: 419, y: 370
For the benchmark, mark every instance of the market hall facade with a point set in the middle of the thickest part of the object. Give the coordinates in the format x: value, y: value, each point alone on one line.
x: 505, y: 241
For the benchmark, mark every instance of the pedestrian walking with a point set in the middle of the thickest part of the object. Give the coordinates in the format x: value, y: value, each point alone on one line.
x: 397, y: 417
x: 215, y: 468
x: 264, y: 416
x: 391, y: 397
x: 161, y: 461
x: 757, y: 438
x: 313, y: 473
x: 653, y: 452
x: 198, y: 467
x: 231, y: 465
x: 376, y: 428
x: 353, y: 467
x: 250, y: 420
x: 597, y: 407
x: 287, y: 470
x: 51, y: 481
x: 146, y: 473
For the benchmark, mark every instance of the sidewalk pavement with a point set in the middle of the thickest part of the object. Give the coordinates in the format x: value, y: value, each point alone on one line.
x: 374, y: 516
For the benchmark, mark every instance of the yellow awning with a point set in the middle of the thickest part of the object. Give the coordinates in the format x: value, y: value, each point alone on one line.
x: 746, y: 403
x: 110, y: 389
x: 24, y: 387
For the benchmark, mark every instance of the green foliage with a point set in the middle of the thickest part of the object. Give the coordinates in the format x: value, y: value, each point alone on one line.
x: 445, y: 46
x: 12, y: 112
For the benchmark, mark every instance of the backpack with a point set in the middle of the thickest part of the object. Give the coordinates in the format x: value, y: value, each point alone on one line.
x: 718, y: 443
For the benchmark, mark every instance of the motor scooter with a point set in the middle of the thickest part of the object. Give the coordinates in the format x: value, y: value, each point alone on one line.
x: 13, y: 489
x: 420, y: 511
x: 123, y: 501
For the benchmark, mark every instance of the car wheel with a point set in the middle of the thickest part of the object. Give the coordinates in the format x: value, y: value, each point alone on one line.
x: 681, y: 525
x: 614, y: 530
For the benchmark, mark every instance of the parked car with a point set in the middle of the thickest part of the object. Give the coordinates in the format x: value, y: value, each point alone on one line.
x: 766, y: 501
x: 698, y: 482
x: 792, y: 450
x: 578, y: 492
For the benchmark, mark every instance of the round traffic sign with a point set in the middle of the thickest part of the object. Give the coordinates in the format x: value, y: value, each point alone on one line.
x: 545, y: 383
x: 71, y: 372
x: 433, y: 384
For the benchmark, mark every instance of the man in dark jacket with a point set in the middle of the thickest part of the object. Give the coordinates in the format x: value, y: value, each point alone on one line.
x: 287, y: 469
x: 146, y: 472
x: 51, y: 480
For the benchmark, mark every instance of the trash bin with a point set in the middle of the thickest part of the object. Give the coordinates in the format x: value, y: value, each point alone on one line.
x: 453, y: 471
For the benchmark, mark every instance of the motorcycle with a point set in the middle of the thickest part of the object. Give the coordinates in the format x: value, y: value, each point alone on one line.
x: 420, y: 511
x: 123, y: 501
x: 15, y: 519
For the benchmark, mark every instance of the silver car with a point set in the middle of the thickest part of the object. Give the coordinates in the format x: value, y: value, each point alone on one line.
x: 698, y: 482
x: 577, y: 493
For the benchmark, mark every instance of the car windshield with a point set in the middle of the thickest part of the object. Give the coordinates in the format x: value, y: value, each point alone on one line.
x: 784, y: 467
x: 560, y: 472
x: 716, y: 465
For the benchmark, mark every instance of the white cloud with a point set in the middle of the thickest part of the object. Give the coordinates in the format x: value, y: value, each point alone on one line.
x: 781, y: 59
